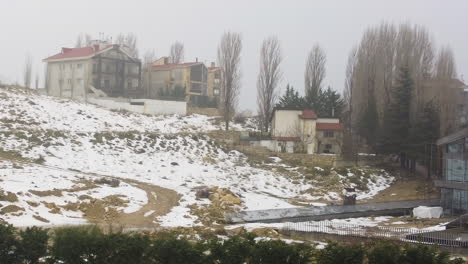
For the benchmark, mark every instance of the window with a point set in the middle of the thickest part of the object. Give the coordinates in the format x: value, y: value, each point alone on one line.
x: 94, y: 68
x: 456, y: 147
x: 328, y: 133
x: 71, y: 66
x: 106, y: 84
x: 69, y: 81
x: 78, y: 66
x: 328, y: 146
x: 79, y: 82
x: 129, y: 85
x: 216, y: 91
x: 60, y: 83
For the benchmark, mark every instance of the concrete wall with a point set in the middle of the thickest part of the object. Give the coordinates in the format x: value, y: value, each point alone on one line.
x: 152, y: 107
x: 286, y: 123
x: 203, y: 111
x: 328, y: 120
x: 68, y: 79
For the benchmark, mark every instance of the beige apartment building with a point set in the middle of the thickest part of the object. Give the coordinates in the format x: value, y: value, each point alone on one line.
x: 189, y: 81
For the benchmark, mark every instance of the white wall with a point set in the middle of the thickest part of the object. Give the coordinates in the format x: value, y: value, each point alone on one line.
x: 285, y: 123
x: 328, y: 120
x: 152, y: 107
x: 157, y: 107
x: 74, y: 75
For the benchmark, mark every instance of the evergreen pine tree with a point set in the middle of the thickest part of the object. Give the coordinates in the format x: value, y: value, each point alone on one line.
x: 396, y: 127
x: 425, y: 132
x: 331, y: 103
x: 291, y: 99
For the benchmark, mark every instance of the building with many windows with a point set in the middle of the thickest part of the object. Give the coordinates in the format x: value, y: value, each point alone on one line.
x: 100, y: 68
x: 453, y: 181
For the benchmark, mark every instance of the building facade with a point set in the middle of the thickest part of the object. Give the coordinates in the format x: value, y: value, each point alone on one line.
x: 101, y: 68
x: 303, y: 131
x: 189, y: 81
x: 453, y: 181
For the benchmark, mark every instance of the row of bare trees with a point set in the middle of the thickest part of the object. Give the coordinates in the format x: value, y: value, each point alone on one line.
x: 373, y: 66
x: 270, y: 76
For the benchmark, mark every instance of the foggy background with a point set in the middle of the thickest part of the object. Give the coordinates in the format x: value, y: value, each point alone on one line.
x: 42, y: 28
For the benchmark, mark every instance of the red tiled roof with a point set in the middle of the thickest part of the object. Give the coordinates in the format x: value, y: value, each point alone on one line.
x: 329, y: 126
x: 173, y: 65
x: 287, y: 138
x: 308, y: 114
x: 68, y: 53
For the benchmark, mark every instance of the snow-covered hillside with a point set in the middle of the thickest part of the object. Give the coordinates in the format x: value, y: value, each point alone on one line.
x: 54, y: 154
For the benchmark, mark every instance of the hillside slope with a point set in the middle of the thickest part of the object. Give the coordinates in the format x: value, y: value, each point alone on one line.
x: 63, y: 162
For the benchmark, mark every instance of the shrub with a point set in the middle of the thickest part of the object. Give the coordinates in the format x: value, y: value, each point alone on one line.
x: 240, y: 118
x: 277, y: 251
x: 334, y: 254
x: 33, y: 244
x: 8, y: 244
x: 174, y: 251
x: 421, y: 254
x: 384, y: 253
x: 236, y: 250
x: 75, y: 245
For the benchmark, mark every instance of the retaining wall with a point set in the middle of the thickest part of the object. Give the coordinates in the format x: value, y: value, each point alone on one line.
x: 148, y: 106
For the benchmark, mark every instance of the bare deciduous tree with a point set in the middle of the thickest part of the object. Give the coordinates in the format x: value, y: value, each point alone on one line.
x: 83, y: 40
x: 177, y: 52
x: 268, y: 79
x: 348, y: 89
x: 315, y: 71
x: 148, y: 58
x: 27, y: 71
x: 229, y: 57
x: 129, y: 41
x: 445, y: 65
x: 36, y: 81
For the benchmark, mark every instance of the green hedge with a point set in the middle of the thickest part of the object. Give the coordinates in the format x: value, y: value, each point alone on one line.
x: 88, y: 244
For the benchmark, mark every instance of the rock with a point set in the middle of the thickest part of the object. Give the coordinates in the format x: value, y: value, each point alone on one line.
x: 203, y: 193
x: 174, y: 163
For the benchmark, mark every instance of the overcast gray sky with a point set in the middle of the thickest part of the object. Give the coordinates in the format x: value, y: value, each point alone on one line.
x: 42, y: 27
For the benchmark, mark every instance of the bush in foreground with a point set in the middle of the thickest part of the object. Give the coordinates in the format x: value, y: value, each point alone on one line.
x: 76, y: 245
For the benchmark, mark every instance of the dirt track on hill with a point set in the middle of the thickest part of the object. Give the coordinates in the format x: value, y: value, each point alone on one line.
x: 160, y: 202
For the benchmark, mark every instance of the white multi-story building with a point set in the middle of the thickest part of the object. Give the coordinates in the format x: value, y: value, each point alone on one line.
x: 101, y: 68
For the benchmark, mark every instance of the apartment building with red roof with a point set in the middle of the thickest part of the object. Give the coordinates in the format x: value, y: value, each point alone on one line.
x: 102, y: 68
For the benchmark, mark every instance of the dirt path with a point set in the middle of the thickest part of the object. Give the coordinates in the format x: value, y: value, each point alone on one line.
x: 160, y: 201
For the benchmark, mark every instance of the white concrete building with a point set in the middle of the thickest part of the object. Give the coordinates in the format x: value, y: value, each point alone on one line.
x: 303, y: 131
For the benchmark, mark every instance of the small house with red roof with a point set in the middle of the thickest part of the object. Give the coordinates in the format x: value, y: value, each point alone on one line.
x: 302, y: 131
x: 102, y: 68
